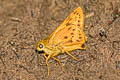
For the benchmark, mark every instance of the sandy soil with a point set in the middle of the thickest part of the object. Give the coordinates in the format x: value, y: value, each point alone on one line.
x: 24, y: 22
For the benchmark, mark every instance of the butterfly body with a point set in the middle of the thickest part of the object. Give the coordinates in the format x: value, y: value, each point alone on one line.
x: 49, y: 50
x: 67, y: 37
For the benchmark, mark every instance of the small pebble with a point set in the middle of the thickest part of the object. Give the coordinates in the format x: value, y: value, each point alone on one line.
x: 102, y: 32
x: 3, y: 53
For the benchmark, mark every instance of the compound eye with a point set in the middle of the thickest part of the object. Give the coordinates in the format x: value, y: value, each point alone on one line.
x: 41, y: 46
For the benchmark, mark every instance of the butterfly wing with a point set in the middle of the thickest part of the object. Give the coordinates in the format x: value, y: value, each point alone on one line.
x: 76, y: 17
x: 70, y: 32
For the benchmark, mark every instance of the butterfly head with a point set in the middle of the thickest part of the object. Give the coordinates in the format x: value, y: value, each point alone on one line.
x: 40, y: 46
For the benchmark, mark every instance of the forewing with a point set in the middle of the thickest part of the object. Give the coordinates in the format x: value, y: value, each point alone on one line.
x: 68, y: 36
x: 63, y: 33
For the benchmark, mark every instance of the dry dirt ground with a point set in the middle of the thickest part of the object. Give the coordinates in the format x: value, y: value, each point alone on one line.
x: 24, y: 22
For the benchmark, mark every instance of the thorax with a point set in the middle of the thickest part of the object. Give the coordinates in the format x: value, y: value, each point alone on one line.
x: 52, y: 50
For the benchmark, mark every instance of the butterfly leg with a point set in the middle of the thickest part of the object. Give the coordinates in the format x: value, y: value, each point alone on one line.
x: 45, y: 56
x: 47, y: 63
x: 59, y: 63
x: 71, y: 55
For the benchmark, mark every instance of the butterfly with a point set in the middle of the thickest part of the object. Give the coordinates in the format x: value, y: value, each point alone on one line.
x: 68, y: 36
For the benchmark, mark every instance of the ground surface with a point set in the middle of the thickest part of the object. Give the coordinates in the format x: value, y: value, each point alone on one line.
x: 24, y: 22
